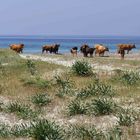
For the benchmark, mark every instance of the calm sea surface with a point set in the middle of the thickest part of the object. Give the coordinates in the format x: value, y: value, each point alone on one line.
x: 33, y: 44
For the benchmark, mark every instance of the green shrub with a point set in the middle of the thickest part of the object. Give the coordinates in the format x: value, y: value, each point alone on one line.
x: 127, y: 117
x: 114, y: 134
x: 37, y: 82
x: 21, y: 130
x: 84, y: 132
x: 31, y: 67
x: 22, y: 110
x: 4, y: 130
x: 76, y: 107
x: 128, y: 78
x: 101, y: 106
x: 96, y: 89
x: 65, y: 86
x: 39, y: 130
x: 46, y: 130
x: 82, y: 68
x: 41, y: 99
x: 105, y: 90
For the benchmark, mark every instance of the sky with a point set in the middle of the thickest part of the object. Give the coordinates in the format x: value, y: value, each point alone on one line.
x: 70, y: 17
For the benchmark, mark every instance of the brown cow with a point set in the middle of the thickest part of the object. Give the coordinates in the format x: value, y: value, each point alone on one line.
x: 51, y: 48
x: 17, y: 47
x: 74, y: 51
x: 100, y: 49
x: 85, y: 49
x: 124, y: 47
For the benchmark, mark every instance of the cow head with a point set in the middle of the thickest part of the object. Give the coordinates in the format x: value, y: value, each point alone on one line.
x: 57, y: 45
x: 84, y: 47
x: 75, y: 48
x: 22, y: 45
x: 107, y: 49
x: 134, y: 46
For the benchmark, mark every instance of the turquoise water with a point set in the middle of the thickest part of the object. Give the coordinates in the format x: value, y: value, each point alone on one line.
x: 33, y: 44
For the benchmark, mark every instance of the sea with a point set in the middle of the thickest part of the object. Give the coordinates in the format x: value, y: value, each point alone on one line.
x: 33, y: 44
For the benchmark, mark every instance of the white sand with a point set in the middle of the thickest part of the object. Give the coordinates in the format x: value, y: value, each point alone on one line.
x: 67, y: 63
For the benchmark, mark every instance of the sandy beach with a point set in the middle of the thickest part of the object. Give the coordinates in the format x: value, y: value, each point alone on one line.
x: 67, y: 60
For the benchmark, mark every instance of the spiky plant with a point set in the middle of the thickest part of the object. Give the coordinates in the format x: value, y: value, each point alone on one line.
x: 96, y: 89
x: 101, y: 106
x: 46, y: 130
x: 127, y: 117
x: 31, y: 67
x: 81, y: 132
x: 114, y: 133
x: 22, y: 110
x: 4, y: 130
x: 82, y: 68
x: 65, y: 86
x: 76, y: 107
x: 21, y: 130
x: 130, y: 77
x: 41, y: 99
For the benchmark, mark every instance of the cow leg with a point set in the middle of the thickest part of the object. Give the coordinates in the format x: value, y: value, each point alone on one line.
x: 127, y: 51
x: 95, y: 53
x: 103, y: 54
x: 42, y: 51
x: 85, y: 54
x: 100, y: 54
x: 21, y: 50
x: 122, y: 54
x: 91, y: 54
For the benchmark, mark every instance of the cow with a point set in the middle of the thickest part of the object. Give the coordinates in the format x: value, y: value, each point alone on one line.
x: 124, y: 47
x: 85, y: 49
x: 51, y: 48
x: 17, y: 47
x: 74, y: 51
x: 100, y: 49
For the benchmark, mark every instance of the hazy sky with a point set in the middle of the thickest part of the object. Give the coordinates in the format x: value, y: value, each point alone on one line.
x: 70, y: 17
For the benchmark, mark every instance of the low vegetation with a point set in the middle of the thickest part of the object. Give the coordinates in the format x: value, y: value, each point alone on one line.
x: 127, y: 117
x: 76, y: 107
x: 36, y: 82
x: 41, y: 99
x: 65, y: 86
x: 102, y: 106
x: 96, y: 89
x: 128, y: 78
x: 21, y: 110
x: 82, y: 68
x: 80, y: 132
x: 44, y: 129
x: 52, y: 102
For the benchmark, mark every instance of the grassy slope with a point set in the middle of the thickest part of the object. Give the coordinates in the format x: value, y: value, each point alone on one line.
x: 14, y: 70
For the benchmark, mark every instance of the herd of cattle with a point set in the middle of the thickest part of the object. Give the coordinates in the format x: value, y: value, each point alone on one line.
x: 85, y: 49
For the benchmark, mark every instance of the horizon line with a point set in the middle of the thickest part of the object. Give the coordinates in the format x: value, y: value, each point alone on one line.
x: 47, y: 35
